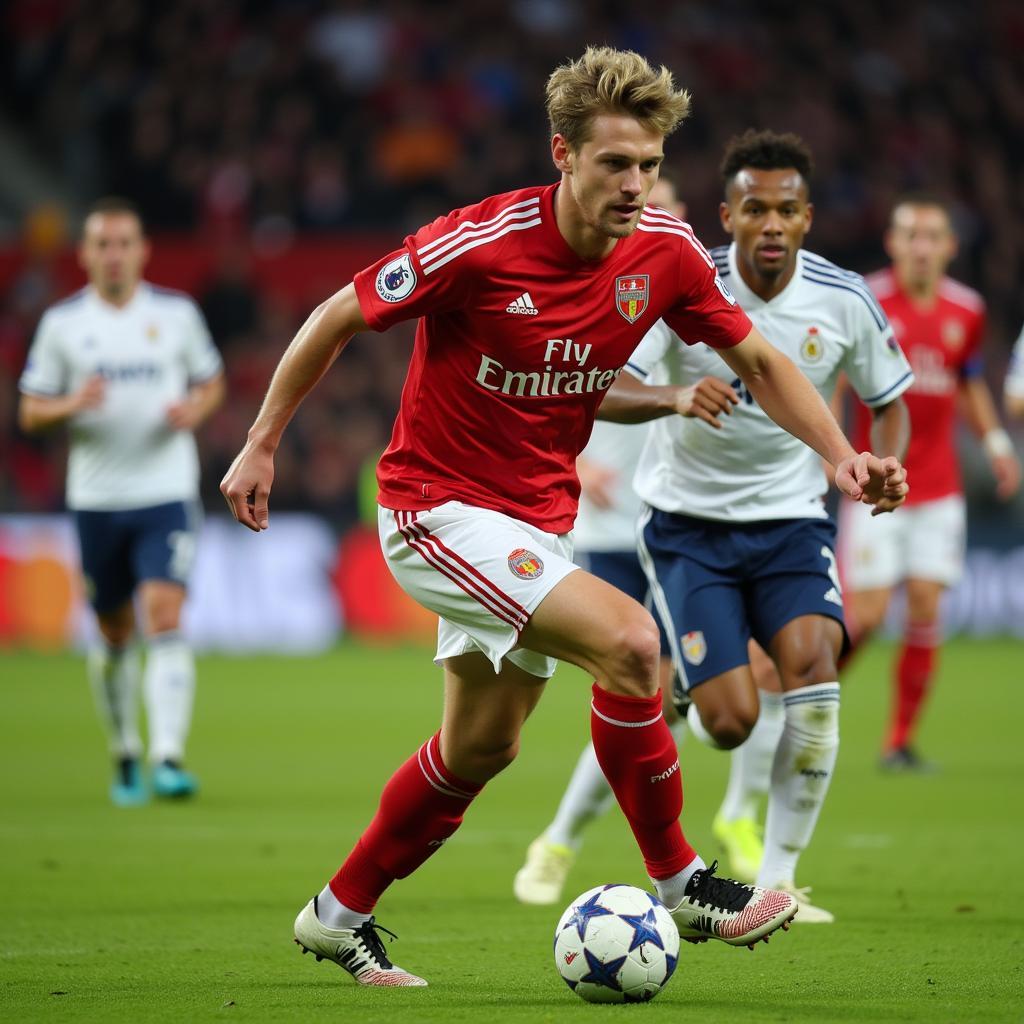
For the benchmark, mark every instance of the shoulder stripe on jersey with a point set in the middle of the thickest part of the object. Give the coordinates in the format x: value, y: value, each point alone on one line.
x: 430, y: 267
x: 528, y: 208
x: 664, y: 229
x: 819, y: 262
x: 961, y: 294
x: 656, y: 213
x: 637, y: 371
x: 848, y: 286
x: 846, y: 277
x: 907, y: 378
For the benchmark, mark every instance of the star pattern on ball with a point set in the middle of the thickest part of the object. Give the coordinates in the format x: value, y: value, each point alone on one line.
x: 645, y: 929
x: 584, y: 912
x: 601, y: 973
x: 670, y: 966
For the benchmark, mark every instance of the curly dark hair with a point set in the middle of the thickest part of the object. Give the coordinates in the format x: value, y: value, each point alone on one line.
x: 766, y: 151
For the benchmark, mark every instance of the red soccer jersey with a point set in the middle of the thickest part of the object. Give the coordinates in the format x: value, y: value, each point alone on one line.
x: 517, y: 342
x: 943, y: 345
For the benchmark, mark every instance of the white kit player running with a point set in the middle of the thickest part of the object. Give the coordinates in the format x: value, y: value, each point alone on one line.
x: 735, y: 539
x: 132, y: 370
x: 478, y: 489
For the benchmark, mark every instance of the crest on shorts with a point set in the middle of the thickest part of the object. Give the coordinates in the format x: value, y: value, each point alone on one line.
x: 695, y: 648
x: 396, y: 280
x: 631, y: 295
x: 525, y: 564
x: 811, y: 348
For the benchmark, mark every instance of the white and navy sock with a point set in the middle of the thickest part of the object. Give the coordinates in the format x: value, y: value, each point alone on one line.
x: 801, y: 774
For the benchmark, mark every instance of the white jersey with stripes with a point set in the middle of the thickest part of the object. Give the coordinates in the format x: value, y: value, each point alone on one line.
x: 827, y: 321
x: 124, y: 454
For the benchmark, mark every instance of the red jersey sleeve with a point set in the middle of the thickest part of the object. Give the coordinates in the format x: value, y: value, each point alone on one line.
x: 416, y: 280
x: 706, y: 310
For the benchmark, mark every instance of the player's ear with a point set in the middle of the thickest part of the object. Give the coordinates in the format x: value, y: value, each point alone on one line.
x: 561, y: 154
x: 725, y: 216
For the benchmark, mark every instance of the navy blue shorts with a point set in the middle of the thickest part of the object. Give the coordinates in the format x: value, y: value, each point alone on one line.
x: 121, y: 549
x: 716, y: 585
x: 621, y: 569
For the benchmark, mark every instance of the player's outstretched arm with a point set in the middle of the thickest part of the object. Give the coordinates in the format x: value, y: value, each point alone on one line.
x: 790, y: 399
x: 246, y: 485
x: 890, y: 428
x: 629, y: 400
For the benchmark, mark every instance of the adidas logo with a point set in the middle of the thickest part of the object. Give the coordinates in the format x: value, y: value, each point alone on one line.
x: 523, y: 306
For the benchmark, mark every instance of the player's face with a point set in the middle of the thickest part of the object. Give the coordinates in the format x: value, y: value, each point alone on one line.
x: 612, y: 174
x: 113, y: 253
x: 921, y: 244
x: 768, y: 214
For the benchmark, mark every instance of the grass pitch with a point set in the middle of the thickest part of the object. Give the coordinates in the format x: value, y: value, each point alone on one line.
x: 183, y: 912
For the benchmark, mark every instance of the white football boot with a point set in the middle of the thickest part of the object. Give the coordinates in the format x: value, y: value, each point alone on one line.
x: 358, y: 950
x: 541, y: 879
x: 809, y: 913
x: 741, y: 915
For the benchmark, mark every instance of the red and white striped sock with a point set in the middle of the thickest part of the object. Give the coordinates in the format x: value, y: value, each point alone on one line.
x: 421, y: 806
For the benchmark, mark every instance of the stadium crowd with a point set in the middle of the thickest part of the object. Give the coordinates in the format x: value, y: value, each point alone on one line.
x: 263, y: 119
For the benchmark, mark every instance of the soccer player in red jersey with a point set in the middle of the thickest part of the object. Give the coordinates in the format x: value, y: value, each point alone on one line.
x: 939, y: 323
x: 529, y: 304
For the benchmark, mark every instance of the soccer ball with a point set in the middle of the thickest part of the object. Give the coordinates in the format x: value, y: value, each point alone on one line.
x: 616, y: 944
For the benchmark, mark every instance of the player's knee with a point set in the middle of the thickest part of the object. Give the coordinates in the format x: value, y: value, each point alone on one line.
x: 729, y: 727
x: 810, y: 667
x: 632, y: 659
x: 492, y: 758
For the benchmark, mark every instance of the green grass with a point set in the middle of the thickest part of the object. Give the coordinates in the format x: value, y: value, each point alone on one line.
x: 183, y: 913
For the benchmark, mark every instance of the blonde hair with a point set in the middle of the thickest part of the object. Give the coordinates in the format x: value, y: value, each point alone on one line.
x: 607, y: 81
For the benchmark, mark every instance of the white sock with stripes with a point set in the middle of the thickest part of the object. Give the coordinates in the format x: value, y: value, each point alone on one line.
x: 801, y: 774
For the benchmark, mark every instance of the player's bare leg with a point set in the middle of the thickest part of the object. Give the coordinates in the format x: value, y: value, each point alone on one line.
x: 914, y: 671
x: 169, y: 683
x: 738, y: 823
x: 593, y: 625
x: 805, y: 651
x: 113, y: 668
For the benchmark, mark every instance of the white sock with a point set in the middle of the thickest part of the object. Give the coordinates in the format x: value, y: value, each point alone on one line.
x: 671, y: 890
x: 750, y: 766
x: 801, y: 774
x: 332, y: 913
x: 114, y: 678
x: 170, y: 683
x: 587, y: 797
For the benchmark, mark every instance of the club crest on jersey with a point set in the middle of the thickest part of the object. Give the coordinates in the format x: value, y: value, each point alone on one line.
x: 631, y: 295
x: 525, y: 564
x: 396, y: 279
x: 953, y: 334
x: 811, y: 348
x: 695, y: 648
x: 152, y: 333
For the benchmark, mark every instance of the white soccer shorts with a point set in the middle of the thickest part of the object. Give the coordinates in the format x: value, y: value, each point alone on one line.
x: 922, y: 542
x: 483, y: 573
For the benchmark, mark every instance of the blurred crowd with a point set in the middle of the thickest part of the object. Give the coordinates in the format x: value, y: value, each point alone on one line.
x: 266, y: 119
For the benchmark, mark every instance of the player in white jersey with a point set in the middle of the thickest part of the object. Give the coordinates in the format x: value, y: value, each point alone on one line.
x: 736, y: 540
x: 1013, y: 388
x: 604, y: 543
x: 132, y: 371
